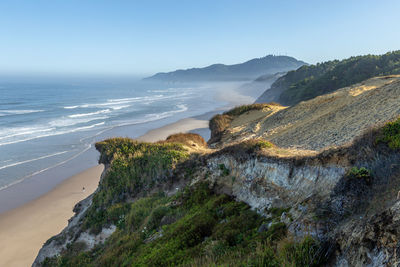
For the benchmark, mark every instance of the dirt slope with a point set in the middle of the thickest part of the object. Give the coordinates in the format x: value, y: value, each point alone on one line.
x: 328, y: 120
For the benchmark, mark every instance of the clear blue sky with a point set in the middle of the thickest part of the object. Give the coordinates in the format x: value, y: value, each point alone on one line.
x: 142, y: 37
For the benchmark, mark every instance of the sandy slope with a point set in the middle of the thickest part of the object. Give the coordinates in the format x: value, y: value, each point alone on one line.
x: 328, y: 120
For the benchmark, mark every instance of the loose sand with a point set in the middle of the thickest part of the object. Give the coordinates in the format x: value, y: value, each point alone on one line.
x: 24, y: 230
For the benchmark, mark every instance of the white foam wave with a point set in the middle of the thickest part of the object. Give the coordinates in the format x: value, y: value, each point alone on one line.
x: 114, y: 103
x: 90, y: 113
x: 5, y: 112
x: 23, y: 131
x: 87, y: 127
x: 66, y: 122
x: 166, y: 114
x: 50, y: 133
x: 120, y: 107
x: 30, y: 160
x: 71, y: 107
x: 155, y: 116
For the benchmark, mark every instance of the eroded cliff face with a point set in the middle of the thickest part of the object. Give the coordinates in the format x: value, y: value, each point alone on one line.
x: 356, y: 218
x: 264, y: 182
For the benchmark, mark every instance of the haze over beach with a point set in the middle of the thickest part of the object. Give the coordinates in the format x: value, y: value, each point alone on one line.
x: 176, y: 133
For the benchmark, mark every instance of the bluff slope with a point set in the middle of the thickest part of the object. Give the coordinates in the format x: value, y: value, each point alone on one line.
x: 331, y: 119
x: 249, y: 202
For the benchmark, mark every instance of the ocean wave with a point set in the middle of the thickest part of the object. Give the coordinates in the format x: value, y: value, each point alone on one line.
x: 90, y: 113
x: 115, y: 103
x: 166, y: 114
x: 5, y: 112
x: 88, y: 146
x: 67, y: 122
x: 30, y: 160
x: 120, y: 107
x: 71, y: 107
x: 23, y: 131
x: 87, y: 127
x: 51, y: 133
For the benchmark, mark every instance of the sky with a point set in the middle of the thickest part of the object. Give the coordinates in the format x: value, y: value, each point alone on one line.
x: 118, y: 37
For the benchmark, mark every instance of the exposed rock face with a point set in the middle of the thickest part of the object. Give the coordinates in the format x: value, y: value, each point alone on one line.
x: 264, y: 182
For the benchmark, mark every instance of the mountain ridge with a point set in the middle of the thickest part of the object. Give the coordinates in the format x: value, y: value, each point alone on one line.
x: 247, y: 70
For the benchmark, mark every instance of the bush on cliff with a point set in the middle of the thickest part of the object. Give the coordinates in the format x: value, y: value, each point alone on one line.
x: 390, y: 134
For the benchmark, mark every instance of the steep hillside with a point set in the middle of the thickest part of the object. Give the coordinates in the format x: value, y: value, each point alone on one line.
x: 328, y: 120
x: 248, y: 70
x: 310, y: 81
x: 315, y: 184
x: 248, y: 204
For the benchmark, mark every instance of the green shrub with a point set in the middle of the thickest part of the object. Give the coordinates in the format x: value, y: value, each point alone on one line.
x: 360, y: 173
x: 237, y: 111
x: 390, y: 134
x: 263, y: 144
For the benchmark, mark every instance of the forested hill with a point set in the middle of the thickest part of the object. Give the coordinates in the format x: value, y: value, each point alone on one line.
x: 248, y: 70
x: 310, y: 81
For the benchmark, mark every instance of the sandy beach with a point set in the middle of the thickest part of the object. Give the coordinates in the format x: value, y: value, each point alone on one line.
x: 23, y: 230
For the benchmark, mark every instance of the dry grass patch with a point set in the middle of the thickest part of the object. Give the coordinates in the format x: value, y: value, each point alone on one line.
x: 189, y: 139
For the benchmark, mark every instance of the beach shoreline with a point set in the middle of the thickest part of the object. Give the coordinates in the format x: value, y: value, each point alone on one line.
x: 24, y: 229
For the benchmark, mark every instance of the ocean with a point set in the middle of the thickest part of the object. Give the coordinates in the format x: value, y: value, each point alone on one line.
x: 48, y: 124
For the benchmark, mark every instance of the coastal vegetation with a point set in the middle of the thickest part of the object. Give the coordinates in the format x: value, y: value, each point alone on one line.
x: 390, y: 134
x: 310, y: 81
x: 135, y: 167
x: 195, y: 227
